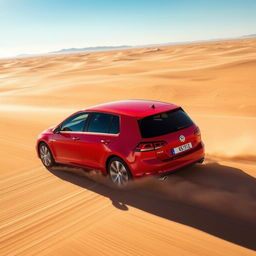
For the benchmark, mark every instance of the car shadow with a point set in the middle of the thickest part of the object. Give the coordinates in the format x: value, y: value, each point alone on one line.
x: 214, y: 198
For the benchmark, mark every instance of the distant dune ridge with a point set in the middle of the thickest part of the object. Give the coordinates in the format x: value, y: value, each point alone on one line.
x: 201, y: 210
x: 107, y: 48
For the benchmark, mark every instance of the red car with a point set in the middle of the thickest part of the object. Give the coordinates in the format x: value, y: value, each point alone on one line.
x: 124, y: 139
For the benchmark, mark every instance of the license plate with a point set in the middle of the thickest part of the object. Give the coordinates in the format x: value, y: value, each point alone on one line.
x: 182, y: 148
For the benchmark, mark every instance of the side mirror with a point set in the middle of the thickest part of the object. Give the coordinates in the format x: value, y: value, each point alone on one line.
x: 57, y: 130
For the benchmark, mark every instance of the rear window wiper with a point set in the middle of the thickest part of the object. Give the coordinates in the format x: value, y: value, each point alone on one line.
x: 182, y: 127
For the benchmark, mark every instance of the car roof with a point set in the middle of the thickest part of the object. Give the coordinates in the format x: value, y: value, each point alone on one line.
x: 134, y: 108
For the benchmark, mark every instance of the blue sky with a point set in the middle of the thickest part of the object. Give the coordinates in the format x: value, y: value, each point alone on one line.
x: 35, y: 26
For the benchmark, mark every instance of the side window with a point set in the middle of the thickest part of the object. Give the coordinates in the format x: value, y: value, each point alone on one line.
x: 114, y: 127
x: 75, y: 123
x: 103, y: 123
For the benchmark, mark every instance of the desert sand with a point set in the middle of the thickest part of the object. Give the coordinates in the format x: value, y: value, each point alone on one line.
x: 207, y: 209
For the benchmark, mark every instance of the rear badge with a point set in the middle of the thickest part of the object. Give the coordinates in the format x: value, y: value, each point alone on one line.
x: 182, y: 138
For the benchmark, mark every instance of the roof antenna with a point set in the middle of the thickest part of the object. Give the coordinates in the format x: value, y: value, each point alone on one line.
x: 153, y: 106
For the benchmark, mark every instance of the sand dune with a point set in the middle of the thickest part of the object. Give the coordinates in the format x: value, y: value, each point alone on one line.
x: 201, y: 210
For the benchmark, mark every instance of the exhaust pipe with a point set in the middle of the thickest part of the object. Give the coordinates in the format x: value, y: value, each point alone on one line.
x: 162, y: 178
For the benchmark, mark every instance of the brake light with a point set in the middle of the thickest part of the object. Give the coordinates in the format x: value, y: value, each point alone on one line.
x: 150, y: 146
x: 197, y: 131
x: 159, y: 144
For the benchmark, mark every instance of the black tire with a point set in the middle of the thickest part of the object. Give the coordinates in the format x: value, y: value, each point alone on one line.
x: 119, y: 172
x: 45, y: 155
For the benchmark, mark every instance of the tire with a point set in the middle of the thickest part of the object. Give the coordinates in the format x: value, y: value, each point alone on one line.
x: 45, y: 155
x: 119, y: 172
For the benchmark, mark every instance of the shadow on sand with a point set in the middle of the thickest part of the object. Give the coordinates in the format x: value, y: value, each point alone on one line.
x: 214, y: 198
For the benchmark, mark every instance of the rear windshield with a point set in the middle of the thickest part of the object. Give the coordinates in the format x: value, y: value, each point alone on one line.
x: 164, y: 123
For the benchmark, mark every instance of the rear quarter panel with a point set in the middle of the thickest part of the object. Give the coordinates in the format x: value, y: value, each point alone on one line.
x: 126, y: 142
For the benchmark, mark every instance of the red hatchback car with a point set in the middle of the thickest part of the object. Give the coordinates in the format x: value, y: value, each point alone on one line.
x: 124, y: 139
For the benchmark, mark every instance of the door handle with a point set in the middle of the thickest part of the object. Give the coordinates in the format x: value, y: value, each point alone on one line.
x: 106, y: 142
x: 75, y: 138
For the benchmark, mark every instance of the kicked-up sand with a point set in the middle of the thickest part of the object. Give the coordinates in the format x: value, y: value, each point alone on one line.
x: 207, y: 209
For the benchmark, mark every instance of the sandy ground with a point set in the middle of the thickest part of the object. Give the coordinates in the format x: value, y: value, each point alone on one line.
x: 203, y: 210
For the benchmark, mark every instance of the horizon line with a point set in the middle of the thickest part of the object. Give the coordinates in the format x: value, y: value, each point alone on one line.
x: 73, y: 50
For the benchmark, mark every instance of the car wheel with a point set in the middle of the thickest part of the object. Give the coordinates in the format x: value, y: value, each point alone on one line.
x: 119, y: 172
x: 46, y: 155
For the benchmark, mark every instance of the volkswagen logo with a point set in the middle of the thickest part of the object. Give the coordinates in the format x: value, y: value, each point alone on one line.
x: 182, y: 138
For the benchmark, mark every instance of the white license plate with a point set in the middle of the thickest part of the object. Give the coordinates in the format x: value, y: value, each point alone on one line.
x: 182, y: 148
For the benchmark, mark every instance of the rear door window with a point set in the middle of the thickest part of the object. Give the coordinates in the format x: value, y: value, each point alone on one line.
x: 114, y: 127
x: 103, y: 123
x: 164, y: 123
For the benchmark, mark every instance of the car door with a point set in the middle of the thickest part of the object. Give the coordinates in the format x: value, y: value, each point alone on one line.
x: 67, y: 142
x: 101, y: 134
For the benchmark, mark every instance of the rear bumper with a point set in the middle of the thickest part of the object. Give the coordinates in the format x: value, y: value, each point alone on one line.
x: 158, y: 167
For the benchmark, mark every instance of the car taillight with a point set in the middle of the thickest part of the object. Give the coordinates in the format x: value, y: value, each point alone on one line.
x: 150, y: 146
x: 159, y: 144
x: 197, y: 131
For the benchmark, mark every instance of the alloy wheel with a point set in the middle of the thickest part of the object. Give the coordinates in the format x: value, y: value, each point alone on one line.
x: 118, y: 173
x: 45, y: 155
